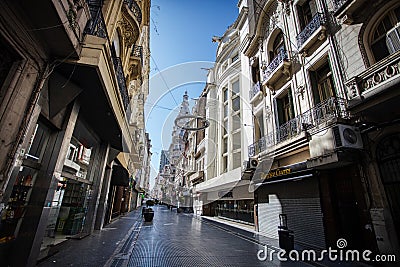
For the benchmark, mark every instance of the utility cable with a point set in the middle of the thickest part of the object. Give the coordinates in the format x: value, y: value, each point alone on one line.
x: 165, y: 82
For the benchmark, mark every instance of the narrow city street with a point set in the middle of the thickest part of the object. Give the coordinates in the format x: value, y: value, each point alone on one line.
x: 171, y: 239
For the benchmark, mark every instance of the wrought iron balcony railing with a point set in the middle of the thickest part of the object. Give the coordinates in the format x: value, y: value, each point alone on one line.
x: 255, y: 90
x: 317, y: 21
x: 339, y: 3
x: 323, y: 112
x: 121, y: 81
x: 135, y: 8
x: 137, y: 51
x: 96, y: 25
x: 278, y: 60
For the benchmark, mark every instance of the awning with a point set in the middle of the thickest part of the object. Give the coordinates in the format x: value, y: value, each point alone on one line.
x: 120, y: 176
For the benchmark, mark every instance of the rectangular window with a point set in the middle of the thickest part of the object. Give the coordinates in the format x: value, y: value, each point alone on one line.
x: 235, y: 88
x: 306, y: 12
x: 226, y: 127
x: 226, y: 110
x: 236, y: 141
x: 235, y: 57
x: 38, y: 142
x: 259, y: 126
x: 236, y: 122
x: 236, y: 104
x: 285, y: 108
x: 225, y: 144
x: 226, y: 94
x: 322, y: 84
x: 236, y: 162
x: 224, y: 163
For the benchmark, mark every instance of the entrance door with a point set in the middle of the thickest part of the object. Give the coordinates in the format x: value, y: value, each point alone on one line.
x: 345, y: 212
x: 388, y: 157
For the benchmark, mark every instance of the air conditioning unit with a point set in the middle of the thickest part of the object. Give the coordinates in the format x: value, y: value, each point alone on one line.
x: 253, y: 163
x: 250, y: 165
x: 347, y: 136
x: 393, y: 39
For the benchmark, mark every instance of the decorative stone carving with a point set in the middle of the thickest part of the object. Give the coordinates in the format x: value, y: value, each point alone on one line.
x: 352, y: 88
x: 368, y: 80
x: 300, y: 91
x: 270, y: 19
x: 130, y: 33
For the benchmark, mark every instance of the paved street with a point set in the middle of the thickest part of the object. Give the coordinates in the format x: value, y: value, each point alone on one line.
x: 170, y: 240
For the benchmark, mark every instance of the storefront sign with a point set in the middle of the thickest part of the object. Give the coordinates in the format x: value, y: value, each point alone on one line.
x: 277, y: 172
x: 286, y: 170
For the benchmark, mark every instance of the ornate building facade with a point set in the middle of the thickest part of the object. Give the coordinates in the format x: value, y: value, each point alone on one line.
x: 325, y: 80
x: 319, y: 125
x: 73, y: 84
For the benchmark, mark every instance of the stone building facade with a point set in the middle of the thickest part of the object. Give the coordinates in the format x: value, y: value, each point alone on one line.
x: 325, y: 77
x: 319, y: 124
x: 73, y: 75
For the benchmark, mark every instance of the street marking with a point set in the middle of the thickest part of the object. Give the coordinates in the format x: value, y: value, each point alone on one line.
x: 168, y: 223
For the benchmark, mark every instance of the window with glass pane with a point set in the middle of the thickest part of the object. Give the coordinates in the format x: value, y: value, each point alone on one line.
x: 379, y: 45
x: 236, y: 121
x: 236, y: 140
x: 236, y: 160
x: 225, y: 163
x: 235, y: 57
x: 226, y: 110
x: 225, y: 144
x: 235, y: 88
x: 259, y: 126
x: 38, y: 142
x: 322, y: 83
x: 236, y: 104
x: 306, y: 12
x: 226, y: 126
x: 277, y: 46
x: 226, y: 94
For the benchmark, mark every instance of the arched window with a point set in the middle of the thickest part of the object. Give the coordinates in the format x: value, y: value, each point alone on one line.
x: 277, y: 46
x: 379, y: 47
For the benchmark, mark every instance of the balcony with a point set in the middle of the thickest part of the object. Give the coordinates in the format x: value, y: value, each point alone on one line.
x: 324, y: 112
x: 314, y: 31
x: 121, y: 82
x: 135, y: 8
x: 376, y: 80
x: 344, y: 9
x: 255, y: 92
x: 64, y: 40
x: 96, y: 26
x: 277, y: 69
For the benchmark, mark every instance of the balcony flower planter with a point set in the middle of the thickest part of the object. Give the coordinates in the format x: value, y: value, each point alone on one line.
x: 148, y: 214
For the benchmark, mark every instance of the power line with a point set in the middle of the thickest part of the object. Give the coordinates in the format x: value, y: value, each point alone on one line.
x: 165, y: 82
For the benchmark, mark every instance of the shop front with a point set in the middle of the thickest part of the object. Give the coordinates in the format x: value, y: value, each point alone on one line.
x: 290, y: 192
x: 236, y: 204
x: 118, y: 198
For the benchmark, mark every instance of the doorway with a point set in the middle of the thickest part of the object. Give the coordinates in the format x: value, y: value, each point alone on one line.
x: 388, y: 158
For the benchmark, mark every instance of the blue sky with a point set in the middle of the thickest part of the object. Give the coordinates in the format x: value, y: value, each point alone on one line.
x: 180, y: 47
